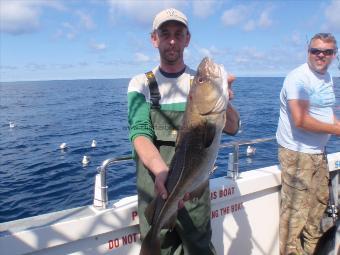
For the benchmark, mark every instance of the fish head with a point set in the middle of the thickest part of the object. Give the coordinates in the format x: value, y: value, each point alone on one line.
x: 209, y: 90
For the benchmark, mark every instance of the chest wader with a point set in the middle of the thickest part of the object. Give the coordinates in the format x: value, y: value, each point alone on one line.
x: 192, y: 233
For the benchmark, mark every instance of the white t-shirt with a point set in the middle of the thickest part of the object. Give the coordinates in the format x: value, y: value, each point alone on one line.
x: 304, y: 84
x: 172, y: 90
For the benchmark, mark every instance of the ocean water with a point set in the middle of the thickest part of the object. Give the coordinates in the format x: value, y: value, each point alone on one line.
x: 37, y: 177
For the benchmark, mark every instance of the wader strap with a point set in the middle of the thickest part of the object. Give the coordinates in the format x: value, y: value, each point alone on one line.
x: 155, y: 96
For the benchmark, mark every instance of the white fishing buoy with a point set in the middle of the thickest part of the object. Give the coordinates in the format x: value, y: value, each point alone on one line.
x: 63, y: 146
x: 11, y: 124
x: 86, y: 160
x: 250, y: 150
x: 94, y: 144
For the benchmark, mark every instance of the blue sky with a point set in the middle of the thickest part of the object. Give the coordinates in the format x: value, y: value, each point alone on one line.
x: 97, y: 39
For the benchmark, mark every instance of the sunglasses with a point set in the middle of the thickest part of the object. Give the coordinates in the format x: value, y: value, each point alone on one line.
x: 327, y: 52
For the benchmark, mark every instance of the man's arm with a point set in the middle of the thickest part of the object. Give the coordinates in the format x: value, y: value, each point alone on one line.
x: 151, y: 158
x: 302, y: 119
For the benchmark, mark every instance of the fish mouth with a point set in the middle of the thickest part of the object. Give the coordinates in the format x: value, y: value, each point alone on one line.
x: 209, y: 74
x: 209, y: 69
x: 219, y: 107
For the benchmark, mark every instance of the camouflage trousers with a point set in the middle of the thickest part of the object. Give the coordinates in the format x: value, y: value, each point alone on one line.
x: 304, y: 197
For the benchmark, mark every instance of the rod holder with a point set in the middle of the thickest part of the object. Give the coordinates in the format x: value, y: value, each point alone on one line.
x: 101, y: 200
x: 233, y: 163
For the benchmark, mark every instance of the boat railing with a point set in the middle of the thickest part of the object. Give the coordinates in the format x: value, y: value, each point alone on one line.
x: 101, y: 200
x: 233, y: 157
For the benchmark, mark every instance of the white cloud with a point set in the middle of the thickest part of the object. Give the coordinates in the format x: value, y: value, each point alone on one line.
x: 296, y: 39
x: 98, y: 46
x: 211, y: 51
x: 19, y: 17
x: 187, y: 53
x: 205, y: 8
x: 8, y: 67
x: 86, y: 20
x: 241, y: 59
x: 246, y: 18
x: 83, y: 63
x: 70, y: 31
x: 254, y: 61
x: 235, y: 16
x: 140, y: 57
x: 67, y: 30
x: 35, y: 66
x: 143, y: 12
x: 333, y: 16
x: 140, y: 11
x: 264, y: 20
x: 254, y: 53
x: 205, y: 52
x: 250, y: 25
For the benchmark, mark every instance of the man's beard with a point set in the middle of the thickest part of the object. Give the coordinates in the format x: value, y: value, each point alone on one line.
x: 171, y: 56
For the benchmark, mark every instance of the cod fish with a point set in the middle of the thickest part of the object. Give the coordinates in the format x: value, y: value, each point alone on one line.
x: 196, y: 150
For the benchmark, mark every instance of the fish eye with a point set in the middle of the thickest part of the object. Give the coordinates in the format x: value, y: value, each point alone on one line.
x: 200, y: 80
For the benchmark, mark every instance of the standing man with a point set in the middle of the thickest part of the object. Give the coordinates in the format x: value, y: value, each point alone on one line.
x: 156, y: 103
x: 307, y: 120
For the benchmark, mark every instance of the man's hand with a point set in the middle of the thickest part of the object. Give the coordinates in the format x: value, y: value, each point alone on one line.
x: 233, y: 118
x: 160, y: 179
x: 230, y: 79
x: 160, y: 189
x: 182, y: 201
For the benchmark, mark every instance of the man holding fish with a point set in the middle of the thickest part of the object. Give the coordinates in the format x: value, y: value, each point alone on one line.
x: 176, y: 116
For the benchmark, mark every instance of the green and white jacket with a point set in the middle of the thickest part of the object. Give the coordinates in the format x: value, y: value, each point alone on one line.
x: 173, y: 92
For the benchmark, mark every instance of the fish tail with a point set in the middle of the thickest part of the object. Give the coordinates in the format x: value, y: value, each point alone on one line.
x: 150, y: 244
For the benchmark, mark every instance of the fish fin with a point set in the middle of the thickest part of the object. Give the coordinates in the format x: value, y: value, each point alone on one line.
x: 198, y: 192
x: 176, y: 169
x: 172, y: 222
x: 150, y: 244
x: 150, y: 211
x: 209, y: 134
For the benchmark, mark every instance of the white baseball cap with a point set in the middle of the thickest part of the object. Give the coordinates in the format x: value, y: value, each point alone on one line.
x: 167, y: 15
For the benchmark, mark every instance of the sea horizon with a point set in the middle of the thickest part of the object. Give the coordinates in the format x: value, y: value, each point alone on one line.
x: 128, y: 78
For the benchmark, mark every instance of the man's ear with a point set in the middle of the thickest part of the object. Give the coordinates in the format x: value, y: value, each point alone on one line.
x: 154, y: 39
x: 188, y: 39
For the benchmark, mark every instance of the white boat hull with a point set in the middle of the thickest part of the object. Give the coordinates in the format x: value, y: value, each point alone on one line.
x: 245, y: 216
